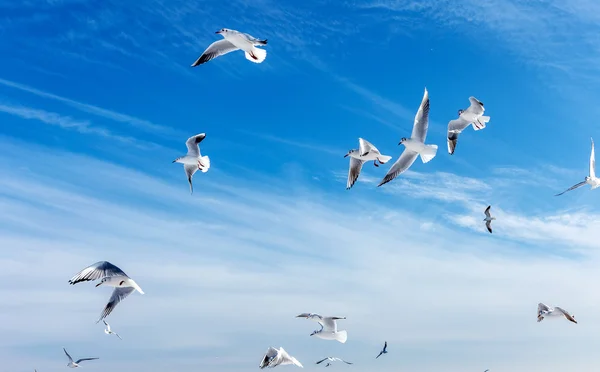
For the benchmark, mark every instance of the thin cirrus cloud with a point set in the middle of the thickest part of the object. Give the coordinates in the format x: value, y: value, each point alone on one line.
x: 245, y: 244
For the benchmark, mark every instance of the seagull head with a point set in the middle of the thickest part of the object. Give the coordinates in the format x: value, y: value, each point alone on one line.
x: 102, y: 281
x: 314, y: 333
x: 222, y: 31
x: 460, y: 112
x: 349, y: 153
x: 402, y: 140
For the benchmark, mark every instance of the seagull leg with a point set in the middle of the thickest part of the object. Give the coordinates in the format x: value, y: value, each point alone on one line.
x: 375, y: 163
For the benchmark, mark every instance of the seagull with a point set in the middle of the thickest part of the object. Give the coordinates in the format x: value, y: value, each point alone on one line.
x: 108, y: 331
x: 234, y: 40
x: 415, y: 145
x: 545, y: 311
x: 73, y: 364
x: 591, y: 179
x: 328, y: 329
x: 383, y: 351
x: 472, y: 115
x: 111, y: 276
x: 331, y: 359
x: 274, y: 357
x: 365, y: 152
x: 488, y: 219
x: 194, y: 160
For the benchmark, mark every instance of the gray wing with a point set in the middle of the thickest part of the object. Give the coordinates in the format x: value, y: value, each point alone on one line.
x: 330, y: 324
x: 542, y: 307
x: 422, y: 119
x: 189, y: 173
x: 84, y: 359
x: 354, y: 171
x: 96, y: 271
x: 454, y: 128
x: 307, y: 315
x: 565, y: 312
x: 404, y: 162
x: 254, y: 40
x: 214, y: 50
x: 270, y: 354
x: 118, y: 295
x: 68, y: 356
x: 487, y: 211
x: 322, y: 360
x: 592, y: 161
x: 572, y: 188
x: 488, y: 224
x: 475, y: 102
x: 192, y: 144
x: 366, y: 147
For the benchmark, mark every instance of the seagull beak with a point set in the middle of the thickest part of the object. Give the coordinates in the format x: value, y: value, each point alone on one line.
x: 346, y: 155
x: 98, y: 285
x: 218, y: 32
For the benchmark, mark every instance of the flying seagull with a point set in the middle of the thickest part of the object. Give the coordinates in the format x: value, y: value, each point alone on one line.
x: 274, y: 357
x: 331, y: 359
x: 472, y: 115
x: 545, y: 311
x: 234, y: 40
x: 415, y: 145
x: 111, y: 276
x: 488, y: 218
x: 194, y: 160
x: 365, y: 152
x: 383, y: 351
x: 109, y: 331
x: 73, y: 364
x: 328, y: 329
x: 591, y: 179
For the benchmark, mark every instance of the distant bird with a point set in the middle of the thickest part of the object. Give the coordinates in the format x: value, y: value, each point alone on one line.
x: 383, y: 351
x: 472, y: 115
x: 486, y: 370
x: 488, y: 218
x: 415, y: 145
x: 108, y: 331
x: 328, y: 329
x: 194, y: 160
x: 331, y: 359
x: 545, y: 311
x: 274, y: 357
x: 73, y: 364
x: 591, y: 179
x: 111, y: 276
x: 234, y: 40
x: 365, y: 152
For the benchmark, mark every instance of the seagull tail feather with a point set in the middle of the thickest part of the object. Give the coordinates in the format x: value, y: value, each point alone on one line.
x: 428, y: 153
x: 205, y: 160
x: 384, y: 159
x: 341, y: 336
x: 257, y: 55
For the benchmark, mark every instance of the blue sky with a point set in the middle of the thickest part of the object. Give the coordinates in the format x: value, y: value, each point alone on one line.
x: 97, y: 98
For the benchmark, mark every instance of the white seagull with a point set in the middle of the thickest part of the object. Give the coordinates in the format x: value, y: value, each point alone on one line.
x: 109, y: 331
x: 415, y: 145
x: 234, y: 40
x: 383, y: 351
x: 488, y: 218
x: 331, y: 359
x: 328, y: 329
x: 591, y: 179
x: 111, y: 276
x: 194, y: 160
x: 545, y: 311
x: 274, y: 357
x: 365, y: 152
x: 472, y: 115
x: 73, y: 364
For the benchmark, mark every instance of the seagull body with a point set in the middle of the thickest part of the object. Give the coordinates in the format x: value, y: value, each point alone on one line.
x: 73, y: 364
x: 488, y: 218
x: 415, y: 145
x: 546, y: 311
x: 365, y: 152
x: 328, y: 329
x: 194, y: 161
x: 331, y: 359
x: 234, y: 40
x: 383, y: 351
x: 110, y: 276
x: 274, y: 357
x: 591, y: 179
x: 472, y: 115
x: 109, y: 331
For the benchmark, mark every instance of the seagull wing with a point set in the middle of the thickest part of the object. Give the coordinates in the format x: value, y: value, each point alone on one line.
x: 330, y: 324
x: 593, y: 161
x: 271, y: 353
x: 404, y: 162
x: 381, y: 352
x: 214, y: 50
x: 564, y: 312
x: 487, y: 211
x: 118, y: 295
x: 116, y: 334
x: 96, y: 271
x: 354, y: 171
x: 475, y: 102
x: 192, y: 144
x: 68, y: 356
x: 572, y: 188
x: 385, y: 346
x: 366, y: 147
x: 542, y: 307
x: 107, y: 325
x: 454, y: 128
x: 189, y: 173
x: 421, y: 120
x: 322, y: 360
x: 84, y: 359
x: 488, y: 224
